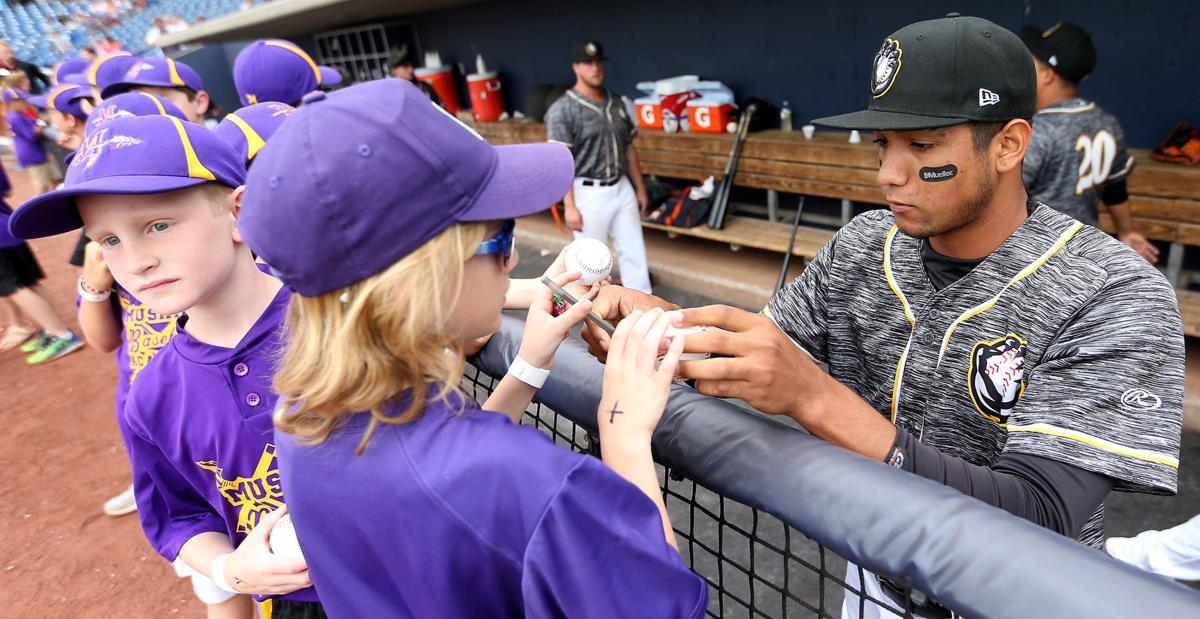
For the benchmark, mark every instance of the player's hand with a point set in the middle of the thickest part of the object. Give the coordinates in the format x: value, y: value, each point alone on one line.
x: 753, y: 360
x: 643, y: 200
x: 95, y: 270
x: 573, y: 218
x: 636, y: 386
x: 1143, y: 247
x: 544, y: 332
x: 613, y: 304
x: 253, y: 568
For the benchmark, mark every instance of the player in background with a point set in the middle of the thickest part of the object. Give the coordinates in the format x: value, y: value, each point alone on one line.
x: 1077, y: 157
x: 161, y: 197
x: 163, y: 77
x: 392, y: 471
x: 278, y: 70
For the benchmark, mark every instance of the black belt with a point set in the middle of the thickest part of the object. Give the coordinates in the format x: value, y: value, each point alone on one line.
x: 587, y: 182
x: 920, y: 603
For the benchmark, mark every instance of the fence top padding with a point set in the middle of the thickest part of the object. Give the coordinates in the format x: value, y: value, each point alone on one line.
x: 977, y: 559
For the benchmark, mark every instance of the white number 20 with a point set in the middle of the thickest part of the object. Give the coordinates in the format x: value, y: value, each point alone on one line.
x: 1096, y: 161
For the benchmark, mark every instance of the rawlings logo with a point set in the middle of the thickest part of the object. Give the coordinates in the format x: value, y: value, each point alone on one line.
x: 996, y: 378
x: 1140, y: 399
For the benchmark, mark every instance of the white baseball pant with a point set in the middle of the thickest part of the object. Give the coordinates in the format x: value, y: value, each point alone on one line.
x: 613, y: 211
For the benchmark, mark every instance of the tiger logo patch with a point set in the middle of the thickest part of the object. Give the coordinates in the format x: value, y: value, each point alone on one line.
x: 886, y: 66
x: 996, y: 378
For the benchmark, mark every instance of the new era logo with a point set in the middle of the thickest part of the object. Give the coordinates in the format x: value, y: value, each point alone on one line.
x: 987, y: 97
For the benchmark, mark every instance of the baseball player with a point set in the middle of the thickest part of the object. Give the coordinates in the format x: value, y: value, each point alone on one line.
x: 248, y: 129
x: 1077, y: 157
x: 163, y: 77
x: 278, y: 70
x: 972, y: 335
x: 103, y: 71
x: 160, y: 196
x: 408, y: 499
x: 62, y: 106
x: 402, y: 66
x: 608, y: 196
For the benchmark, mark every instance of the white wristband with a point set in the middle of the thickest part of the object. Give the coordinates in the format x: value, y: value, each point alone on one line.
x: 526, y: 373
x: 92, y: 296
x: 218, y: 573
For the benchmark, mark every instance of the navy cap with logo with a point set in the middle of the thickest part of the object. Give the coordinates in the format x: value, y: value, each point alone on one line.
x: 1067, y: 48
x: 944, y: 72
x: 589, y: 51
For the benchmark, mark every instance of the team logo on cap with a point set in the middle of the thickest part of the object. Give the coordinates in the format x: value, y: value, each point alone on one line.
x: 280, y: 109
x: 91, y: 148
x: 996, y: 378
x: 590, y: 49
x: 887, y: 65
x: 134, y: 71
x: 104, y: 114
x: 987, y: 97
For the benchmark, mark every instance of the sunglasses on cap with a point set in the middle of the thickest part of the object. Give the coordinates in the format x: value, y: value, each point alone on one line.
x: 503, y: 243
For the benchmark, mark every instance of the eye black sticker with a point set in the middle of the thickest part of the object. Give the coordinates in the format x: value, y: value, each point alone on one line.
x: 937, y: 175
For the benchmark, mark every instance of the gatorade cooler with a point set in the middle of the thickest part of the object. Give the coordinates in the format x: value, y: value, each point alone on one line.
x: 649, y: 112
x: 441, y: 79
x: 710, y: 113
x: 486, y: 102
x: 674, y: 111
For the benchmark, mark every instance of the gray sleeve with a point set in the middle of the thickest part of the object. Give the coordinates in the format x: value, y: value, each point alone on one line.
x: 1107, y: 395
x: 799, y: 307
x: 561, y: 124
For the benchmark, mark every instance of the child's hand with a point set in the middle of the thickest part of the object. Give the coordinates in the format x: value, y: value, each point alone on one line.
x: 635, y: 390
x: 95, y: 270
x: 543, y: 331
x: 253, y: 568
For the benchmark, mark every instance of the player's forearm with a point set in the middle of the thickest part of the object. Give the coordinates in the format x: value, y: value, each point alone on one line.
x: 510, y: 397
x: 200, y: 551
x: 633, y: 460
x: 1122, y: 215
x: 100, y: 325
x: 635, y: 168
x: 840, y: 417
x: 569, y: 199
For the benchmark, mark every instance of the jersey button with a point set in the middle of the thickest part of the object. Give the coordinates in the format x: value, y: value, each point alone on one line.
x: 932, y: 315
x: 252, y: 399
x: 241, y: 369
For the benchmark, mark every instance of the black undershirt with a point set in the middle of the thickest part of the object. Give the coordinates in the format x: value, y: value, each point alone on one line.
x: 1057, y: 496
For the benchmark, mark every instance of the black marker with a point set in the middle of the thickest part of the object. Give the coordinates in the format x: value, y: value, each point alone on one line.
x: 592, y: 316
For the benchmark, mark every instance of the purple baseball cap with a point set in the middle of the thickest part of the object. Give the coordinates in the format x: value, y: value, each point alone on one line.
x: 62, y: 98
x: 164, y: 72
x: 103, y: 71
x: 70, y: 66
x: 12, y: 94
x: 359, y: 178
x: 131, y: 104
x: 248, y: 129
x: 278, y: 70
x: 131, y: 156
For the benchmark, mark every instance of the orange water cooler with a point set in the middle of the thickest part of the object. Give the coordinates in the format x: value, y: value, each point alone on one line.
x: 486, y: 101
x: 441, y: 79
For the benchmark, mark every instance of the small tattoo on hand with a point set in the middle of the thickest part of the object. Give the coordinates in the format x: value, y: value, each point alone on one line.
x: 612, y: 415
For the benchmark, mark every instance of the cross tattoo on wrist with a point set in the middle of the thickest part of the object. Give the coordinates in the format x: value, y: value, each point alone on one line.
x: 612, y: 415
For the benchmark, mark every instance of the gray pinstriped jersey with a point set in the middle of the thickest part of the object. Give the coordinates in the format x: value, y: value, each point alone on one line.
x: 598, y: 134
x: 1063, y: 343
x: 1076, y: 149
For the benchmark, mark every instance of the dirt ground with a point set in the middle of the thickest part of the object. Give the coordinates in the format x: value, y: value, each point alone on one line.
x: 60, y: 556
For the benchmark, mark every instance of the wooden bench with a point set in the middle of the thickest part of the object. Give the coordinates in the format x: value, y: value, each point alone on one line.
x: 1165, y: 198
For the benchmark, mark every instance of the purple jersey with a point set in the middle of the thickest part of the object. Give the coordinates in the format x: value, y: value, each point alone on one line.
x: 198, y: 428
x: 469, y: 515
x: 143, y: 333
x: 26, y: 142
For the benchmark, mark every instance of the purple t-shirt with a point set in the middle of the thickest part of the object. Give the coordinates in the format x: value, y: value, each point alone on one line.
x: 469, y: 515
x: 198, y: 428
x: 26, y: 141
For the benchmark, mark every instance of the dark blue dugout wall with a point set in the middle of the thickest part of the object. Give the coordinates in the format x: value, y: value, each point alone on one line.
x: 817, y: 55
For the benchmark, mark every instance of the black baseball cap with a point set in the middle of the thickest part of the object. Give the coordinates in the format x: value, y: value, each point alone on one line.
x: 944, y: 72
x: 588, y: 51
x: 1067, y: 48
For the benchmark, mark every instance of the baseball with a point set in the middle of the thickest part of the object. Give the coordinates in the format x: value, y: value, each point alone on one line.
x: 591, y: 258
x: 283, y: 538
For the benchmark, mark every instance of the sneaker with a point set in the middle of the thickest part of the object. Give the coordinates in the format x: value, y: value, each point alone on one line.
x: 58, y: 347
x: 38, y: 342
x: 121, y: 504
